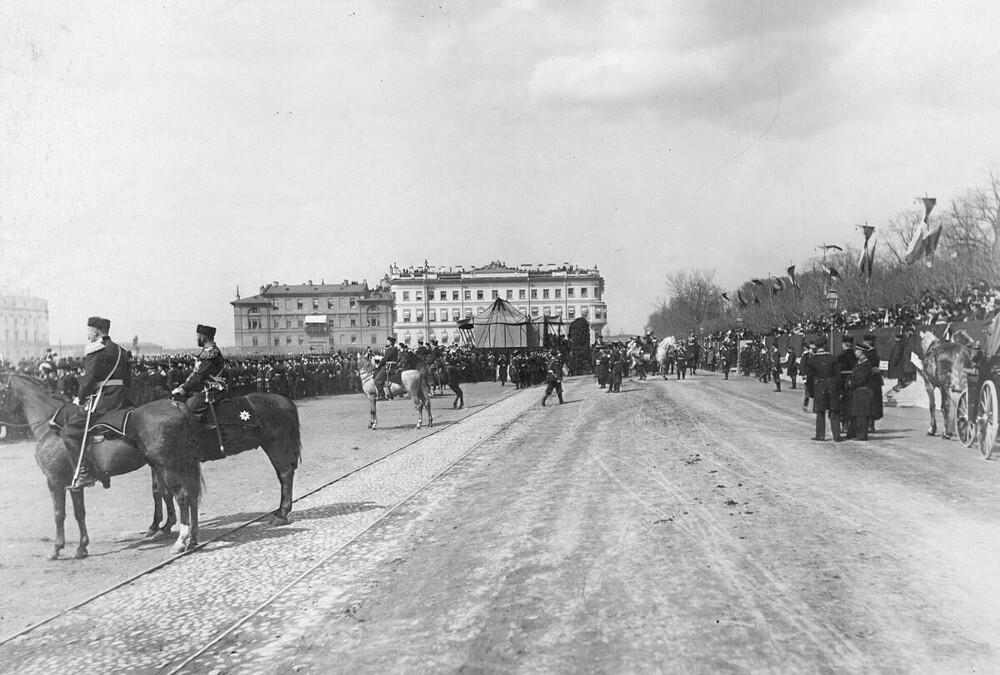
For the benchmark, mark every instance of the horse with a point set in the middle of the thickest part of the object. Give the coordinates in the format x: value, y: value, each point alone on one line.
x: 161, y: 434
x: 665, y: 354
x: 943, y: 367
x: 440, y: 374
x: 413, y: 383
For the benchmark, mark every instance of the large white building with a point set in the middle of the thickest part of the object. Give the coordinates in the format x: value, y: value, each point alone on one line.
x: 25, y: 327
x: 430, y: 301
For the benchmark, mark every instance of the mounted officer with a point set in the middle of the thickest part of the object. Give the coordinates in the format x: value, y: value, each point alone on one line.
x: 103, y: 389
x: 206, y: 382
x: 389, y: 359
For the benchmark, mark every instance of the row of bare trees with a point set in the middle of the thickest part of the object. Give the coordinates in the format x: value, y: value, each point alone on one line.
x: 968, y: 252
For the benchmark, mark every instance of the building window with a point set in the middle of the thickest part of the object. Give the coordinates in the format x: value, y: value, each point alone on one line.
x: 521, y: 294
x: 523, y: 310
x: 420, y: 296
x: 534, y: 293
x: 329, y: 303
x: 468, y: 294
x: 597, y: 312
x: 374, y: 339
x: 510, y: 294
x: 547, y: 311
x: 254, y: 341
x: 558, y: 293
x: 277, y: 322
x: 444, y: 338
x: 534, y: 312
x: 288, y: 322
x: 288, y: 303
x: 456, y: 314
x: 583, y: 292
x: 299, y: 304
x: 316, y: 303
x: 570, y: 292
x: 253, y: 324
x: 584, y: 311
x: 277, y: 341
x: 406, y: 316
x: 480, y: 310
x: 432, y: 315
x: 300, y: 340
x: 420, y: 315
x: 430, y: 295
x: 496, y: 294
x: 354, y: 322
x: 354, y: 338
x: 406, y: 296
x: 545, y: 294
x: 468, y: 313
x: 558, y: 311
x: 479, y: 294
x: 288, y: 340
x: 454, y: 295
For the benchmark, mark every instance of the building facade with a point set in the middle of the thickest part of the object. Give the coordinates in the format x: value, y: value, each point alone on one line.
x: 25, y: 327
x: 304, y: 318
x: 430, y: 301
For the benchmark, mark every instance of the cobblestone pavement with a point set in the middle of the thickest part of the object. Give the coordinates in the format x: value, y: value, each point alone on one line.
x: 158, y: 621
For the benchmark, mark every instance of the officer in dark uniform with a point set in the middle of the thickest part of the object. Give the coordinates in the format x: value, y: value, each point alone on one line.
x: 103, y: 389
x: 846, y: 361
x: 823, y: 371
x: 206, y: 382
x: 389, y: 359
x: 554, y: 376
x: 859, y: 383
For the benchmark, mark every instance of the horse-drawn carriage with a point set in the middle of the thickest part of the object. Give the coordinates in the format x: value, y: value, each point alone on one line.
x: 976, y: 412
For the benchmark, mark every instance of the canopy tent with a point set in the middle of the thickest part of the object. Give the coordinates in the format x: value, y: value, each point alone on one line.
x: 501, y: 326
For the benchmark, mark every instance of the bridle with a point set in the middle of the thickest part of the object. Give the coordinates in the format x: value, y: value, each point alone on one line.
x: 3, y: 402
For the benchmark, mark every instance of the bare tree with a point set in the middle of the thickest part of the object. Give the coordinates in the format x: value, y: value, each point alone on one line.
x: 695, y: 299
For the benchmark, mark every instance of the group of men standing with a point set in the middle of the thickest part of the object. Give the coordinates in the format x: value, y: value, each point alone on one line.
x: 846, y: 387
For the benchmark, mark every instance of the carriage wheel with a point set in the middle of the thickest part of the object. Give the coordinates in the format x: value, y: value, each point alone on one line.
x: 988, y: 419
x: 966, y: 429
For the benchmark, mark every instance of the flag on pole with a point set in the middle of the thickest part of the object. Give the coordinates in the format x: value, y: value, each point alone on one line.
x: 832, y: 271
x: 827, y: 247
x: 925, y: 240
x: 777, y: 285
x: 867, y: 258
x: 739, y: 296
x: 758, y: 282
x: 725, y: 296
x: 756, y: 300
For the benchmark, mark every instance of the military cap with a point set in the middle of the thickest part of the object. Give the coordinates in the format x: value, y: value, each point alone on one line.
x: 206, y: 331
x: 99, y: 323
x: 391, y: 339
x: 820, y: 341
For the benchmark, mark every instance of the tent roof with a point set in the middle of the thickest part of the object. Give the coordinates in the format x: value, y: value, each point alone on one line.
x: 500, y: 312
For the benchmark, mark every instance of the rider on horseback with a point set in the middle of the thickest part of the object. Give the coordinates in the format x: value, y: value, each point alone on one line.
x: 206, y: 383
x: 389, y: 359
x: 103, y: 389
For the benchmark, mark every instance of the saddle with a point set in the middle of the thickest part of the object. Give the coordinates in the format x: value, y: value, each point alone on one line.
x: 235, y: 411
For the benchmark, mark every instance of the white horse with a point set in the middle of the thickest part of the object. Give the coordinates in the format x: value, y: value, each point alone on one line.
x: 413, y: 384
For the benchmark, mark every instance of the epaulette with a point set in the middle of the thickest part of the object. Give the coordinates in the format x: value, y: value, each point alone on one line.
x: 93, y: 347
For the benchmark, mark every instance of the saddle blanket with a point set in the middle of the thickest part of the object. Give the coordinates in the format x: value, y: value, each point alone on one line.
x: 113, y: 423
x: 235, y: 411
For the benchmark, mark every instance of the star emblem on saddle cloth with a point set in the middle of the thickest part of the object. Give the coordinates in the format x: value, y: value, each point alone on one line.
x: 245, y: 415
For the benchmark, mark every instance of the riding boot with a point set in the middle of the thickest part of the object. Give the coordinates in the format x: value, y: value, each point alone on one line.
x: 84, y: 476
x: 381, y: 392
x: 543, y: 400
x: 820, y: 427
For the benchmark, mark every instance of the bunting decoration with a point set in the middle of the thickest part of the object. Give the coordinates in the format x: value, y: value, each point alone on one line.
x: 827, y: 247
x: 756, y: 300
x: 925, y: 241
x: 739, y: 296
x: 725, y: 296
x: 758, y: 282
x: 777, y: 285
x: 832, y: 272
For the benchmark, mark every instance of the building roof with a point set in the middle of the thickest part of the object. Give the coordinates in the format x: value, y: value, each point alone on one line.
x: 278, y: 290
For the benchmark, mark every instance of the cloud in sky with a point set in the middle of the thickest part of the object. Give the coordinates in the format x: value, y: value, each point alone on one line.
x: 154, y: 157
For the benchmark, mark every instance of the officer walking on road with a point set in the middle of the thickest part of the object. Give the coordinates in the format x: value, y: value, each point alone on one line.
x: 553, y: 377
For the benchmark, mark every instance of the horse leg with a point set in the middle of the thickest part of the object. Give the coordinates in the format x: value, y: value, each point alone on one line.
x: 430, y: 417
x: 946, y: 415
x: 932, y: 430
x: 162, y: 498
x: 59, y: 508
x: 286, y: 477
x: 185, y: 485
x: 373, y: 423
x: 80, y: 512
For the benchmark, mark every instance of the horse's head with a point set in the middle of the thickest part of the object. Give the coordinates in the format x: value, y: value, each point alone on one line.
x: 927, y: 340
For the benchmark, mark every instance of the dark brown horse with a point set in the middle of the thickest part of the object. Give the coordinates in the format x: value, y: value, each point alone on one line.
x: 440, y: 374
x: 163, y: 435
x: 944, y: 364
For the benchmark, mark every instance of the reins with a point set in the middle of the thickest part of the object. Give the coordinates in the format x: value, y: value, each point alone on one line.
x: 3, y: 402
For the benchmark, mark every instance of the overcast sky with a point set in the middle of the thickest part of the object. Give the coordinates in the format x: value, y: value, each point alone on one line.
x: 155, y: 156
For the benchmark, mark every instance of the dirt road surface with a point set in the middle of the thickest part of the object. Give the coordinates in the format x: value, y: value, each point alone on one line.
x: 677, y: 526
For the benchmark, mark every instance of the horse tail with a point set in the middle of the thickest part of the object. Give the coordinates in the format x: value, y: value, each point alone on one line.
x: 295, y: 434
